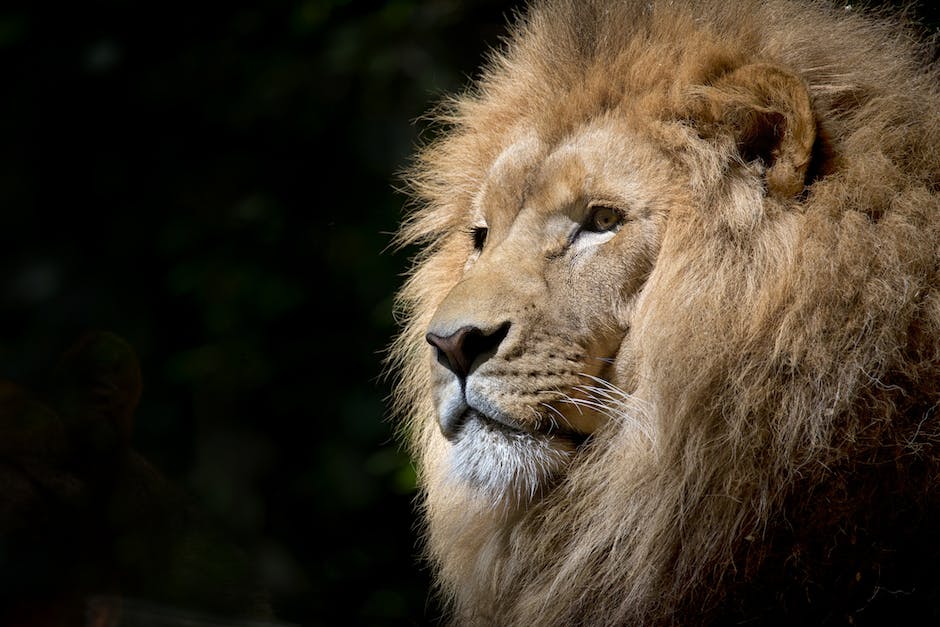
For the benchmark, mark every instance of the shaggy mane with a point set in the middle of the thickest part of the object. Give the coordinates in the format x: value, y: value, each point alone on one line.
x: 791, y: 367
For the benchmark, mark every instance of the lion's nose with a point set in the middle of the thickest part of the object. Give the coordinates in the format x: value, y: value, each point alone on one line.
x: 461, y: 349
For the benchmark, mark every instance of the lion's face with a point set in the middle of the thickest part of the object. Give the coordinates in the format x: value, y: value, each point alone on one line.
x: 533, y: 340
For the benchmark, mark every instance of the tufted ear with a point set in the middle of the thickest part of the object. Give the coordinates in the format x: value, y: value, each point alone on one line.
x: 767, y: 109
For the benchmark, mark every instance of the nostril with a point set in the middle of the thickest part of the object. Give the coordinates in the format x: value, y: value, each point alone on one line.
x: 450, y: 351
x: 459, y: 350
x: 478, y: 344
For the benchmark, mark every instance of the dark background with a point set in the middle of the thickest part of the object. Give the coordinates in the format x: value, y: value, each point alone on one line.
x: 215, y: 184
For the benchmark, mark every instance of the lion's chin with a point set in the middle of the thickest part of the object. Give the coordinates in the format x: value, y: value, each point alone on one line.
x: 508, y: 467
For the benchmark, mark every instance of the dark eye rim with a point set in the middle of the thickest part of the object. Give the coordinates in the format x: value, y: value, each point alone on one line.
x: 478, y: 234
x: 590, y: 224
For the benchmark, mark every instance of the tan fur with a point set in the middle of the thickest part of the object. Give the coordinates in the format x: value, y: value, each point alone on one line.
x: 754, y: 354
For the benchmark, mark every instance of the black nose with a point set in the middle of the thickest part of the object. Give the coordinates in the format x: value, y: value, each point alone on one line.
x: 461, y: 349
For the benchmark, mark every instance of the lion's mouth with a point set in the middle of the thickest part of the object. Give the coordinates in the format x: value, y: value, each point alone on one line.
x: 490, y: 422
x: 509, y: 428
x: 507, y: 462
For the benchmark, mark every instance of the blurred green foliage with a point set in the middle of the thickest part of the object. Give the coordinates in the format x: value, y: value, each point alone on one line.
x: 214, y: 183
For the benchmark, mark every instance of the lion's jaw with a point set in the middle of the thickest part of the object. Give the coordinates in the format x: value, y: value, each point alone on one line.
x: 530, y: 349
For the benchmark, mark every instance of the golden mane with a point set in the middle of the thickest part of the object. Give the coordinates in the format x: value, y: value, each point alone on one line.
x: 790, y: 366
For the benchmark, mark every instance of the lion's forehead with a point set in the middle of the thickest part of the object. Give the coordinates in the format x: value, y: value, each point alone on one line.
x: 520, y: 154
x: 601, y: 161
x: 504, y: 182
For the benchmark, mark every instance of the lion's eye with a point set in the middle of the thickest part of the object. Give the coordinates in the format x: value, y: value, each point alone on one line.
x: 479, y: 236
x: 603, y: 219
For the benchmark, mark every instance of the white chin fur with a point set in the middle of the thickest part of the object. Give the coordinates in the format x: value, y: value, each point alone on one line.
x: 508, y: 468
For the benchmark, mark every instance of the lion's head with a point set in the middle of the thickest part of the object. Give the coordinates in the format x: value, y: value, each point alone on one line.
x: 560, y: 240
x: 673, y: 340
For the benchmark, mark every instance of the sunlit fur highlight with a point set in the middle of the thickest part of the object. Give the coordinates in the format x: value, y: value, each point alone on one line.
x: 788, y: 351
x: 514, y: 462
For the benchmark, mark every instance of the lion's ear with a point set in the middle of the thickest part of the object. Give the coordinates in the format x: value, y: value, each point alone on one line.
x: 767, y: 109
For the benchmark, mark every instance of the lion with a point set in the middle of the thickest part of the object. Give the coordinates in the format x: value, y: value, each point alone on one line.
x: 670, y: 347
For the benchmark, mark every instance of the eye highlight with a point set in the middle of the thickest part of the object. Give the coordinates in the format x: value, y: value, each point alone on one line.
x: 478, y: 233
x: 602, y: 219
